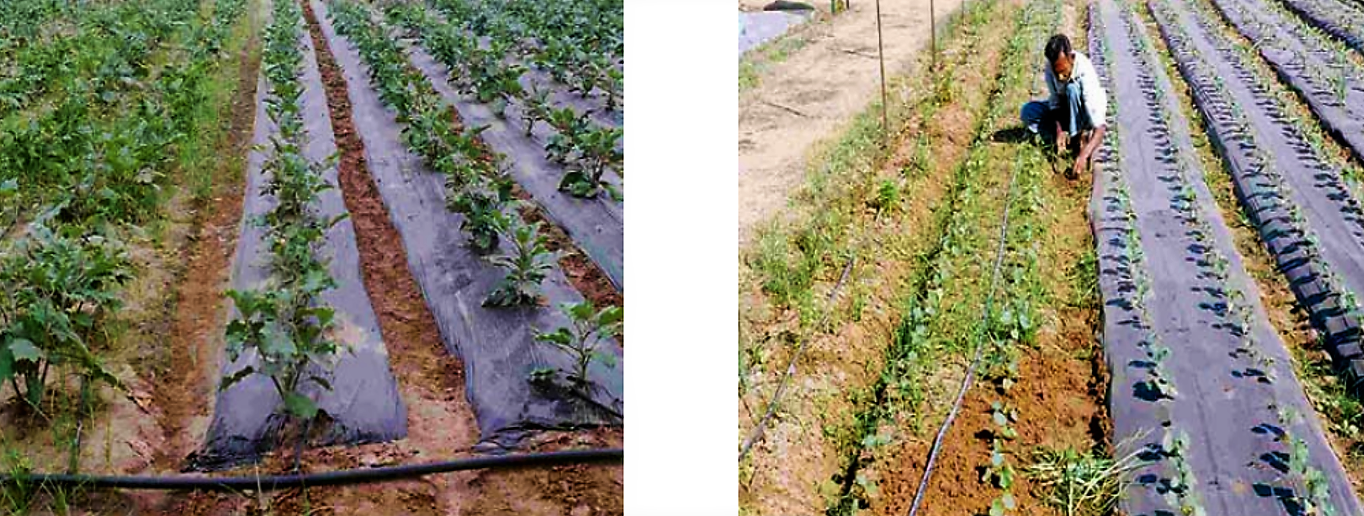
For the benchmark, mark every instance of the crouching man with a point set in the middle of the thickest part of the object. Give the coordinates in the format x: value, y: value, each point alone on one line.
x: 1074, y: 114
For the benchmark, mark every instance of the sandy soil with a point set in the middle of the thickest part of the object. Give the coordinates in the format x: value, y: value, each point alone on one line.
x: 827, y: 81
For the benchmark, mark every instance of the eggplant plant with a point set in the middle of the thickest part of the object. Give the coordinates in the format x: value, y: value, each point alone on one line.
x: 588, y: 330
x: 599, y: 152
x: 58, y: 289
x: 527, y: 263
x: 484, y: 203
x: 569, y: 126
x: 535, y: 107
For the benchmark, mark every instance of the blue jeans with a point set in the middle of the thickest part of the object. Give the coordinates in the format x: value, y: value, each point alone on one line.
x: 1038, y: 116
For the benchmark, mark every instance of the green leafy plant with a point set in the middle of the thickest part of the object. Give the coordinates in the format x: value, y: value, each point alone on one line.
x: 484, y: 203
x: 599, y: 152
x: 536, y: 108
x: 527, y: 263
x: 1000, y: 472
x: 57, y: 291
x: 568, y: 125
x: 582, y: 339
x: 288, y: 334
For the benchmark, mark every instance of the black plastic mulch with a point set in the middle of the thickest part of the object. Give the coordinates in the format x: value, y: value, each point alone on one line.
x: 1169, y: 312
x: 496, y: 345
x: 363, y: 404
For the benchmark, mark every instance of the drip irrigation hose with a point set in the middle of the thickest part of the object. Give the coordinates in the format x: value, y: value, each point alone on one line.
x: 329, y: 478
x: 975, y: 361
x: 757, y: 433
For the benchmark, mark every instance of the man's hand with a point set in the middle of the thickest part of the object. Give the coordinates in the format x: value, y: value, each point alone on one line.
x: 1088, y: 145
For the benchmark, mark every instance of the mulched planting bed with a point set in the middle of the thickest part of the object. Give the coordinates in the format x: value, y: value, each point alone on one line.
x: 1202, y: 388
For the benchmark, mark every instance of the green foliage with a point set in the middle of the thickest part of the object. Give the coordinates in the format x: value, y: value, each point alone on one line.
x: 570, y: 126
x: 527, y: 263
x: 285, y: 323
x: 598, y: 150
x: 484, y: 204
x: 582, y: 339
x: 490, y: 74
x: 57, y: 292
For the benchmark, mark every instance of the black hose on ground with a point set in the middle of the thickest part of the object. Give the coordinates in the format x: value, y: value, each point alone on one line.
x: 757, y: 433
x: 329, y: 478
x: 980, y: 344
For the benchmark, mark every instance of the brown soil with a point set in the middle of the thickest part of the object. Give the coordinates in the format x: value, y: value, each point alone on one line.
x: 440, y: 420
x: 182, y: 399
x: 1060, y: 395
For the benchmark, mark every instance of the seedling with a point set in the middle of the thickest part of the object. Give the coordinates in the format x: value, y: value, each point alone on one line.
x: 527, y: 263
x: 599, y: 152
x: 588, y: 330
x: 484, y: 203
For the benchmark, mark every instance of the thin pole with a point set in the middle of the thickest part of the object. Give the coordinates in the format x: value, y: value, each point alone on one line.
x: 933, y: 35
x: 881, y: 55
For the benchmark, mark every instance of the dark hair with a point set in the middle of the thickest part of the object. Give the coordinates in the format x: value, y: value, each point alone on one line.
x: 1057, y: 45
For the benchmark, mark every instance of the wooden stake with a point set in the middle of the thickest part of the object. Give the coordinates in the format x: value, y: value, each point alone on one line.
x: 933, y: 36
x: 881, y: 53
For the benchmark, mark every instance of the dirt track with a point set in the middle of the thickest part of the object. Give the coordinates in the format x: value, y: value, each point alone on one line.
x: 827, y: 81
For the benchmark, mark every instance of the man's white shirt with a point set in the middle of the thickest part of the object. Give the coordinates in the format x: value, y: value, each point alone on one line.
x: 1095, y: 98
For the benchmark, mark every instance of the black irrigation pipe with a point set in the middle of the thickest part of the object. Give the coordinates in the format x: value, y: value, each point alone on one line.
x: 975, y: 361
x: 329, y: 478
x: 757, y: 433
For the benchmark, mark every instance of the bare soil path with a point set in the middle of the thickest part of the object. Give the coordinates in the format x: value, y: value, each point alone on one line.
x: 818, y: 88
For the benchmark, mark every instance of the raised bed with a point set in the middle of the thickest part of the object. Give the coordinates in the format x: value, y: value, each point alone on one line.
x: 595, y: 225
x: 1317, y: 67
x: 1299, y: 203
x: 1201, y: 382
x: 363, y: 403
x: 496, y: 345
x: 1339, y: 18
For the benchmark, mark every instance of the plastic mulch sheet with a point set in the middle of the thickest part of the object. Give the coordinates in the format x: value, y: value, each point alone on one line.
x: 496, y: 345
x: 756, y: 28
x: 597, y: 225
x: 1306, y: 63
x: 363, y: 404
x: 1168, y: 313
x: 1329, y: 211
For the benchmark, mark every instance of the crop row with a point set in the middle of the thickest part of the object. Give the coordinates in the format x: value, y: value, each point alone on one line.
x: 480, y: 191
x: 946, y: 312
x: 480, y: 188
x: 1254, y: 362
x: 1318, y: 67
x: 587, y: 149
x: 1267, y: 195
x: 284, y: 322
x: 1339, y: 18
x: 62, y: 276
x: 577, y: 43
